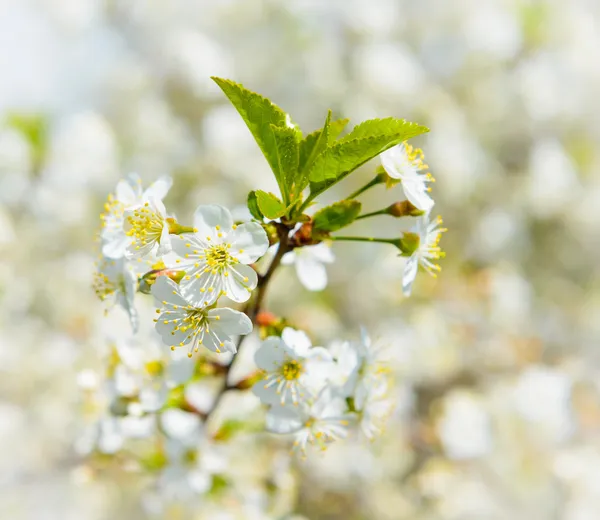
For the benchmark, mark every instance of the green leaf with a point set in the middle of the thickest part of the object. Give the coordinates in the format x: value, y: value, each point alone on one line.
x: 335, y: 129
x: 336, y: 216
x: 346, y: 155
x: 286, y: 139
x: 387, y: 126
x: 262, y: 117
x: 310, y: 148
x: 270, y: 206
x: 253, y: 206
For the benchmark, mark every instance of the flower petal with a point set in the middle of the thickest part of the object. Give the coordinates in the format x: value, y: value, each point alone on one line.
x: 409, y: 275
x: 283, y: 420
x: 311, y: 273
x: 321, y: 252
x: 159, y: 188
x: 165, y: 289
x: 391, y: 159
x: 232, y: 323
x: 248, y: 242
x: 116, y: 245
x: 416, y: 192
x: 270, y: 354
x: 208, y: 217
x: 296, y: 340
x: 129, y: 189
x: 237, y: 288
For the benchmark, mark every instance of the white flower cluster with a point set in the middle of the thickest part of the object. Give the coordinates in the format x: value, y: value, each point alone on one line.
x: 211, y: 260
x: 317, y: 394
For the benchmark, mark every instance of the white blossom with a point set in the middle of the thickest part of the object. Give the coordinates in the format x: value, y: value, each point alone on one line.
x: 310, y: 265
x: 128, y: 195
x: 320, y: 423
x: 115, y: 281
x: 215, y: 258
x: 181, y: 323
x: 293, y: 370
x: 406, y: 163
x: 428, y: 235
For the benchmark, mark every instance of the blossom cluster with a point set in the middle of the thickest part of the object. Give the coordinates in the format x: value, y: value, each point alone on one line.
x: 210, y: 260
x: 209, y: 280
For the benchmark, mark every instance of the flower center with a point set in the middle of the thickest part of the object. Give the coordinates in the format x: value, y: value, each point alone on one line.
x: 145, y: 225
x: 103, y: 285
x: 218, y: 257
x: 291, y: 370
x: 113, y: 214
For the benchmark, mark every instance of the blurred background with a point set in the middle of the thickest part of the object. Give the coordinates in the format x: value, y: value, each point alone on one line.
x: 496, y: 361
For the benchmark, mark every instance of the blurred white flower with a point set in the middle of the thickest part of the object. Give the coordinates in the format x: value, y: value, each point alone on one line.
x: 321, y: 423
x: 407, y: 164
x: 464, y: 428
x: 181, y: 323
x: 294, y: 371
x: 428, y: 235
x: 310, y: 264
x: 182, y: 426
x: 115, y: 281
x: 543, y: 396
x: 553, y: 183
x: 128, y: 195
x: 215, y: 258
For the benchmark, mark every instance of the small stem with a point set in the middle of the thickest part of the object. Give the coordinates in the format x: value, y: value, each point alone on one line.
x: 373, y: 214
x: 373, y: 182
x: 391, y: 241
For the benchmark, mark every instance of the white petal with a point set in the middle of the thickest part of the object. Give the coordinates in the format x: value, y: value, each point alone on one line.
x: 236, y: 289
x: 245, y: 274
x: 165, y: 289
x: 167, y: 331
x: 390, y: 160
x: 409, y: 275
x: 192, y: 289
x: 321, y: 252
x: 129, y: 190
x: 288, y: 258
x: 164, y: 245
x: 283, y: 420
x: 267, y: 395
x: 159, y: 188
x: 116, y: 245
x: 208, y: 217
x: 270, y: 354
x: 249, y: 242
x: 311, y: 273
x: 232, y: 323
x: 416, y: 192
x: 178, y: 424
x: 296, y: 340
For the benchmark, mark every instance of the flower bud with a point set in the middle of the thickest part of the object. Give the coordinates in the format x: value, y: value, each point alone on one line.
x: 404, y: 209
x: 266, y: 319
x: 150, y: 277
